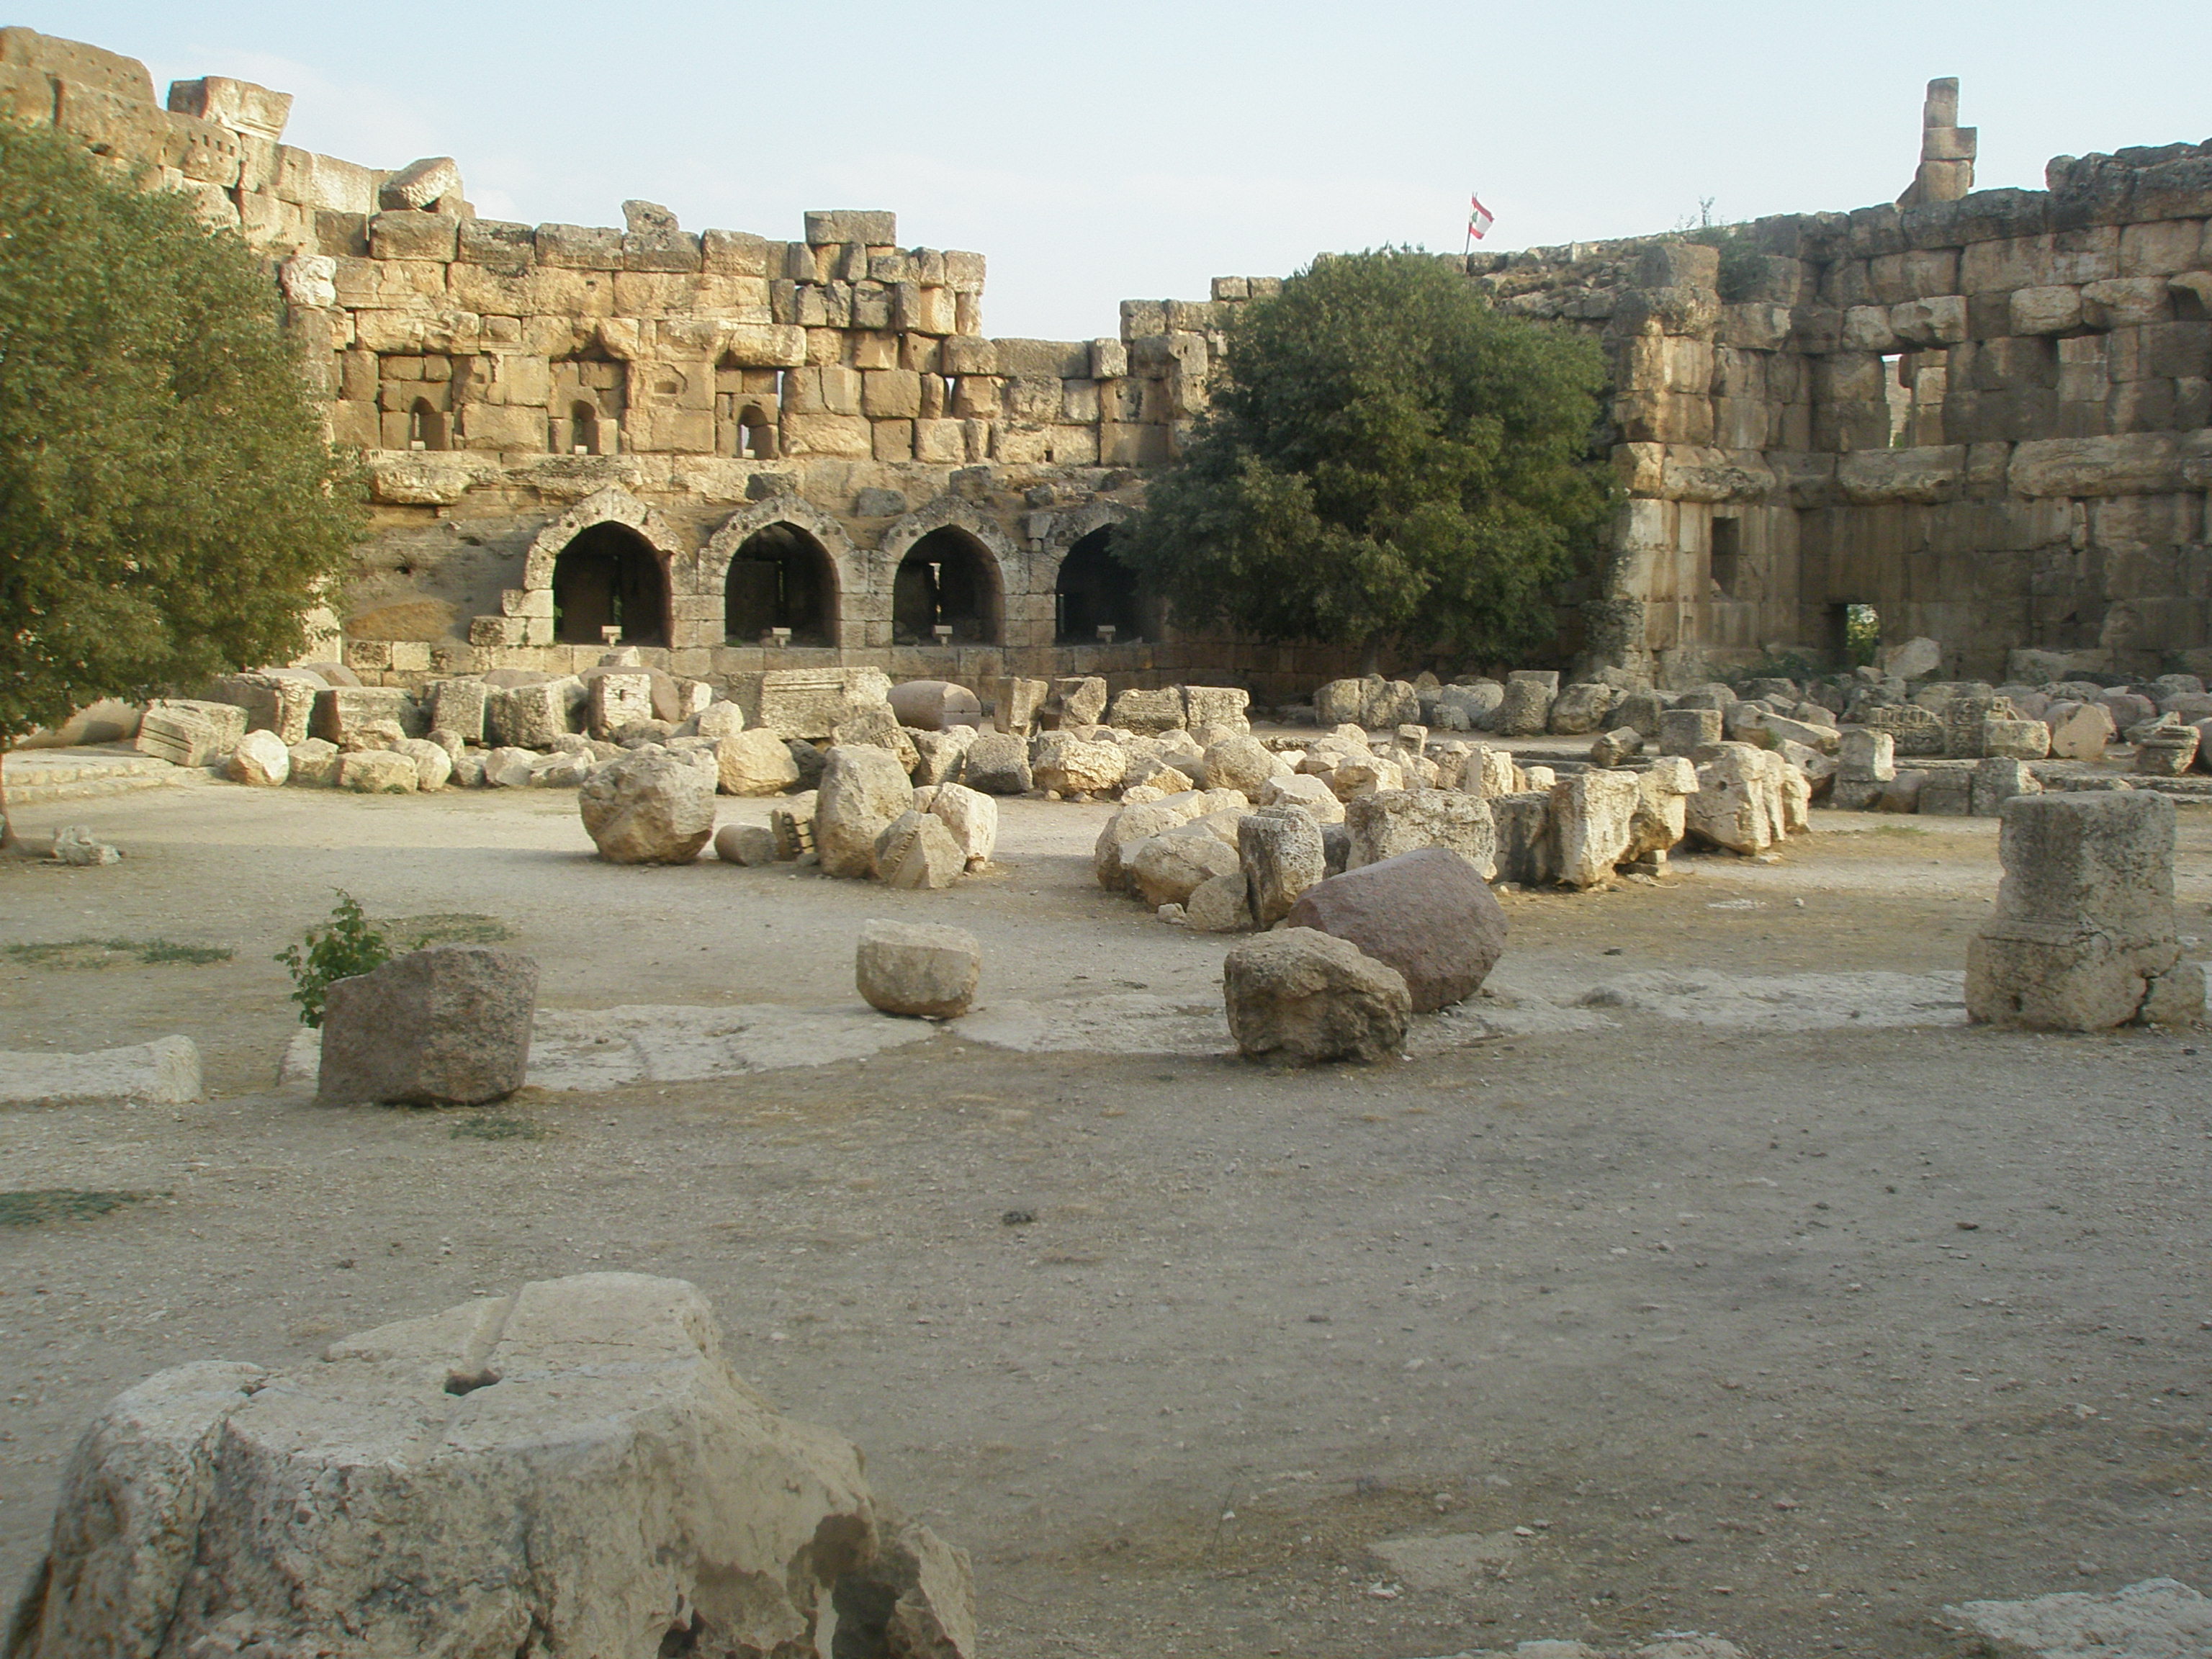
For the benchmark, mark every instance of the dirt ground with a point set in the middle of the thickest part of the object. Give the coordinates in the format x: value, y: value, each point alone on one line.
x: 1791, y: 1335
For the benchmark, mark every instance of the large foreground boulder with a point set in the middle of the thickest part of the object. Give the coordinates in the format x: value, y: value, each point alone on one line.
x: 1309, y: 998
x: 1424, y: 913
x: 447, y: 1026
x: 651, y: 807
x: 572, y: 1472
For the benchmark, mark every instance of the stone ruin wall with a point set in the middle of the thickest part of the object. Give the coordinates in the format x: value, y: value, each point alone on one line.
x: 1986, y: 415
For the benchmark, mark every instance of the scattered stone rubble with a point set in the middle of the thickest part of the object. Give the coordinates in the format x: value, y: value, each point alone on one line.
x: 576, y: 1468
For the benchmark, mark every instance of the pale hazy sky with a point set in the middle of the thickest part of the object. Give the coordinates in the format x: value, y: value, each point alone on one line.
x: 1103, y: 153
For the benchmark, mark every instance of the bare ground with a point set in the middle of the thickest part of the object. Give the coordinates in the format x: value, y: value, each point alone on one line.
x: 1791, y: 1335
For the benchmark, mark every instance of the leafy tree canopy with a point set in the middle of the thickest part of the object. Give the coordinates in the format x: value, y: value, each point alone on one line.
x: 168, y: 507
x: 1389, y: 458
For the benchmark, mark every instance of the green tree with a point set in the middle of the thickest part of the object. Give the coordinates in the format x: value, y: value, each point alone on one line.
x: 168, y: 507
x: 1389, y: 459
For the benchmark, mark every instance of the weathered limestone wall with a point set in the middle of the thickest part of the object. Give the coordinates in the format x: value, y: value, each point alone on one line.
x: 1987, y: 416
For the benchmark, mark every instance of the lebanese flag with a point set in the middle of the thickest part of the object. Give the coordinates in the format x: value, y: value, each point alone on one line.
x: 1481, y: 220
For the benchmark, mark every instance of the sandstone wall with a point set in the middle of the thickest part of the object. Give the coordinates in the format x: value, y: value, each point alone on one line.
x: 1987, y: 416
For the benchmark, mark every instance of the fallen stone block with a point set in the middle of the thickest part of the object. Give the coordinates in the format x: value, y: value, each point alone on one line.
x: 1580, y: 709
x: 1129, y: 829
x: 1611, y: 748
x: 1593, y: 819
x: 1217, y: 705
x: 1168, y: 867
x: 506, y: 768
x: 916, y: 852
x: 1064, y: 764
x: 1661, y: 815
x: 1528, y: 854
x: 376, y: 772
x: 434, y: 767
x: 76, y: 845
x: 2019, y: 739
x: 2082, y: 937
x: 1685, y: 731
x: 1079, y: 699
x: 1310, y: 998
x: 936, y: 705
x: 1279, y: 848
x: 1220, y: 904
x: 750, y: 844
x: 2081, y: 731
x: 1424, y: 913
x: 754, y: 762
x: 1241, y: 763
x: 652, y: 807
x: 445, y: 1026
x: 877, y: 727
x: 1996, y: 781
x: 163, y: 1072
x: 1381, y: 825
x: 937, y: 754
x: 1738, y: 804
x: 1526, y: 707
x: 997, y: 763
x: 918, y: 968
x: 863, y: 789
x: 971, y: 816
x: 572, y: 1468
x: 1300, y: 789
x: 1147, y: 712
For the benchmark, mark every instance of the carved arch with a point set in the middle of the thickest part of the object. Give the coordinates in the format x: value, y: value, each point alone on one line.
x: 950, y: 512
x: 846, y: 561
x: 613, y: 505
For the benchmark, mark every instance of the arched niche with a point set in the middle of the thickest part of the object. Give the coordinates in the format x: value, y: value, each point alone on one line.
x: 609, y: 575
x: 948, y: 579
x: 781, y: 576
x: 1094, y: 590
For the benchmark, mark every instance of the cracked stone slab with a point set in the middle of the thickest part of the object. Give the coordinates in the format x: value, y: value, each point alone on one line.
x: 610, y: 1048
x: 1134, y: 1022
x: 2157, y: 1619
x: 163, y: 1072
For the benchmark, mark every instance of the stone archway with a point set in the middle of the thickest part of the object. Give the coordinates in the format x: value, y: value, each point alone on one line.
x: 609, y: 578
x: 1094, y: 590
x: 948, y: 579
x: 781, y: 577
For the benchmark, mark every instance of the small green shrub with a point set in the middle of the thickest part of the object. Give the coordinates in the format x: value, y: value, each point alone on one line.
x: 342, y: 947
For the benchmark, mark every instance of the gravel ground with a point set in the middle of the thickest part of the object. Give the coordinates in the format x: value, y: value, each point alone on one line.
x: 1793, y: 1335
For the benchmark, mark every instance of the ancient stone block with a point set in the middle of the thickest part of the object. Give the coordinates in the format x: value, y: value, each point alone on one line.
x: 1384, y: 823
x: 1592, y: 817
x: 863, y: 789
x: 652, y: 807
x: 1301, y: 994
x: 2083, y: 934
x: 1279, y: 848
x: 1148, y: 712
x: 447, y: 1026
x: 923, y: 970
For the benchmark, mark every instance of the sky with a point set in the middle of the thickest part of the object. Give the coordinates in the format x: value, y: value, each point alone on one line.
x: 1102, y: 153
